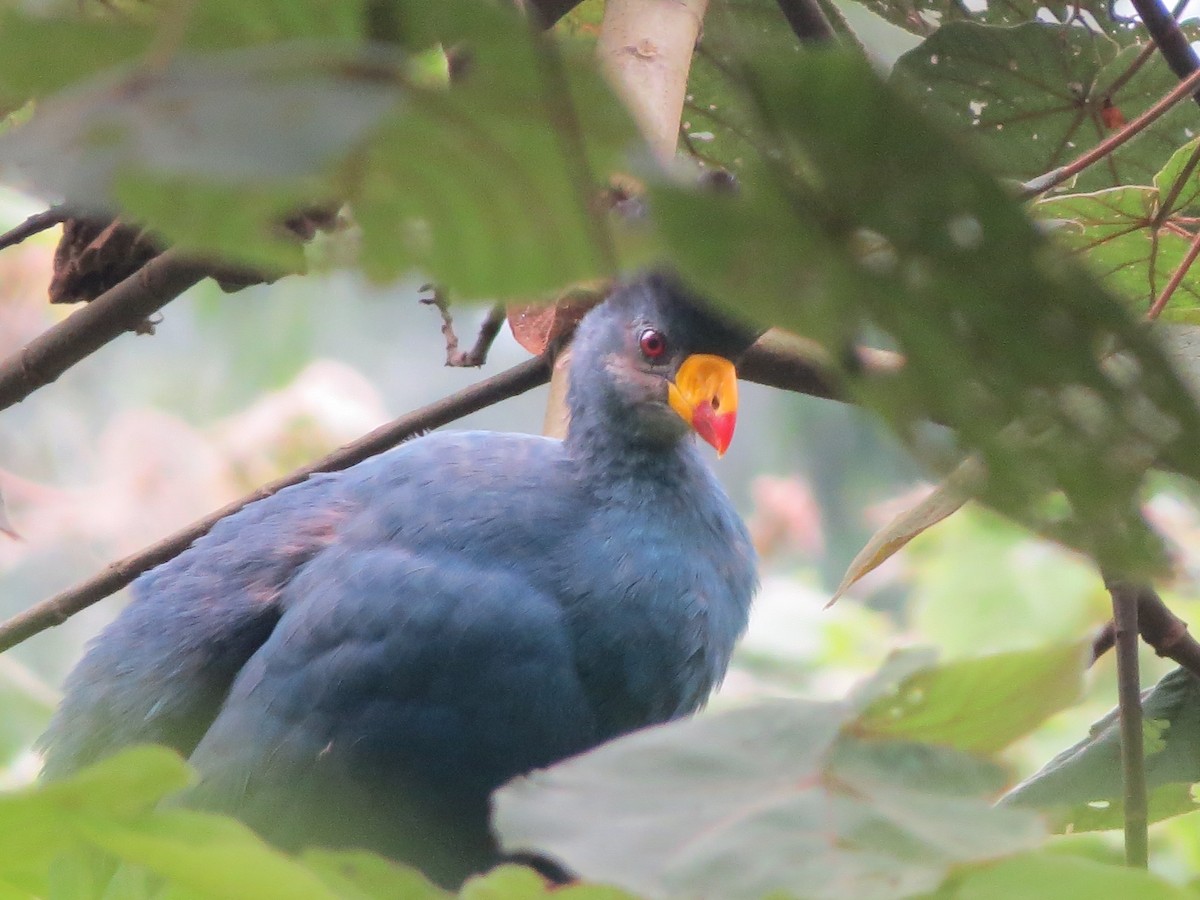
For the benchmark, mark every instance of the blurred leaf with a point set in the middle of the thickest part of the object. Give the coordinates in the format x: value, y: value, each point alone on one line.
x: 979, y: 705
x: 491, y: 186
x: 1033, y: 97
x: 510, y: 882
x: 357, y: 875
x: 762, y: 800
x: 39, y: 823
x: 1047, y: 876
x: 247, y: 117
x: 212, y: 855
x: 42, y: 54
x: 1081, y: 787
x: 850, y: 229
x: 213, y: 151
x: 943, y: 501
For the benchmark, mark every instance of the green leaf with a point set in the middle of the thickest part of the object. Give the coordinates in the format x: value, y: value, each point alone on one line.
x: 762, y: 800
x: 41, y: 54
x: 1081, y: 787
x: 1131, y: 241
x: 1115, y: 231
x: 1032, y: 98
x: 41, y: 822
x: 848, y: 230
x: 980, y: 705
x: 1048, y: 876
x: 358, y: 875
x: 211, y: 855
x: 517, y: 883
x: 487, y: 187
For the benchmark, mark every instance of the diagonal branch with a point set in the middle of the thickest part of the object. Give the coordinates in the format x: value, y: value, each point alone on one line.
x: 60, y: 607
x: 118, y: 310
x: 35, y: 224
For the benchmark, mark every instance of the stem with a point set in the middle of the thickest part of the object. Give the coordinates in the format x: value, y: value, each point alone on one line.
x: 1177, y: 277
x: 1043, y: 183
x: 1129, y: 702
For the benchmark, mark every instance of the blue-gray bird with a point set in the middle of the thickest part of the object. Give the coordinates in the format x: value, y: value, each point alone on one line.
x: 361, y: 659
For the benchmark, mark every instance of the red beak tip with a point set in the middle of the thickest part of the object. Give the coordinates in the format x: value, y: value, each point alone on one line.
x: 714, y: 428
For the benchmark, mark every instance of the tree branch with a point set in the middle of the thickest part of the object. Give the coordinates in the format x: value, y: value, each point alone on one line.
x: 60, y: 607
x: 1161, y: 629
x: 1168, y: 37
x: 118, y: 310
x: 809, y: 22
x: 1129, y: 703
x: 35, y: 224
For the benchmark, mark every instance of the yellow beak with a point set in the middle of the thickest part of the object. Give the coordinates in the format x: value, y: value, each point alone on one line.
x: 704, y: 394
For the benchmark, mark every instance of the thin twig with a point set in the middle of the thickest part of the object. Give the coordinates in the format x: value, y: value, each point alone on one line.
x: 1129, y: 702
x: 60, y: 607
x: 1052, y: 179
x: 809, y: 22
x: 124, y: 307
x: 477, y: 355
x: 1177, y: 277
x: 35, y: 224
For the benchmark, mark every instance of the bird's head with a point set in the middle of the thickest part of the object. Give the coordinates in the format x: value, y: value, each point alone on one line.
x: 656, y: 362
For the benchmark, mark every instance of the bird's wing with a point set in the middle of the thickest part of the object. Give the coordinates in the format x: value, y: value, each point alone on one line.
x: 160, y: 671
x: 397, y: 691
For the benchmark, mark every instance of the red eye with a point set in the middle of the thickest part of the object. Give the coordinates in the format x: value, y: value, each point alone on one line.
x: 653, y: 343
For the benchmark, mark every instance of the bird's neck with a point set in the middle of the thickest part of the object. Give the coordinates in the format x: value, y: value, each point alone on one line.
x: 608, y: 455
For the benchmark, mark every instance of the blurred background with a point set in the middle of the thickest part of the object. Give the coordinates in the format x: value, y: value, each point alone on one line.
x: 233, y: 390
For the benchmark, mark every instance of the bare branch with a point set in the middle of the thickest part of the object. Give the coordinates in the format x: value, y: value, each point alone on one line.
x: 1129, y: 702
x: 60, y: 607
x: 123, y: 308
x: 35, y: 224
x: 477, y: 355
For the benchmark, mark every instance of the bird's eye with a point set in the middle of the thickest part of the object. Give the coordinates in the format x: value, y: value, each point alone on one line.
x: 653, y: 343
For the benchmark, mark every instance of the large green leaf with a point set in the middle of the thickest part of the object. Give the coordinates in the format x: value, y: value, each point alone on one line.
x: 763, y: 800
x: 1132, y: 241
x: 1033, y: 97
x: 1047, y: 876
x: 489, y: 186
x: 1081, y: 786
x: 847, y: 229
x: 979, y: 705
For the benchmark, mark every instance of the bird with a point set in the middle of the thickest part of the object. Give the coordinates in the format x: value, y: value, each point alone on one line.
x: 360, y: 659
